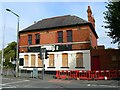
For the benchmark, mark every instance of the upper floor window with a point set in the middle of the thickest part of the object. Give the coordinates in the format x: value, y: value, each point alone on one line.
x: 29, y: 39
x: 37, y: 38
x: 69, y: 39
x: 69, y: 36
x: 60, y: 36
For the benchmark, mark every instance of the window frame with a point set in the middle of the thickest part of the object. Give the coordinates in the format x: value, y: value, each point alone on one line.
x: 65, y: 63
x: 29, y: 39
x: 69, y: 38
x: 69, y: 35
x: 60, y: 36
x: 33, y: 60
x: 37, y: 38
x: 51, y: 61
x: 26, y: 60
x: 77, y: 61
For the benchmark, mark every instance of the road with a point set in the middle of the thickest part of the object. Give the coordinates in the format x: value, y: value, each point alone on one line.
x: 12, y: 82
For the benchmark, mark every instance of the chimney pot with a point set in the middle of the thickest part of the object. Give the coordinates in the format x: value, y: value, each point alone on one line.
x: 34, y: 22
x: 90, y: 17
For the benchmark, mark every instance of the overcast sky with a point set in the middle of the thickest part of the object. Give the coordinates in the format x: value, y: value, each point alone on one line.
x: 35, y: 11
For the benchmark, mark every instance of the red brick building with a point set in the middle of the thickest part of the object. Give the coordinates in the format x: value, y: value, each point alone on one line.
x: 66, y: 29
x: 68, y: 33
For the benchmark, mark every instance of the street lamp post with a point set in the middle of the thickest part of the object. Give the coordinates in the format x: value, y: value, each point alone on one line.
x: 17, y: 48
x: 2, y: 51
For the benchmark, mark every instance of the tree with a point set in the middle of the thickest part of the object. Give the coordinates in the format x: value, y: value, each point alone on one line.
x: 112, y: 19
x: 9, y: 54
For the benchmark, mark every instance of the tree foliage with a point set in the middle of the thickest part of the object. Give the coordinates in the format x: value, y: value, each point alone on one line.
x: 9, y: 54
x: 112, y: 19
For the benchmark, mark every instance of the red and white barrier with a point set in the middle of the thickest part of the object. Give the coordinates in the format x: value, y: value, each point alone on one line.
x: 88, y: 75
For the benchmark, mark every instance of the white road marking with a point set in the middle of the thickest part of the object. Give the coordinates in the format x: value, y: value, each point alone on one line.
x: 7, y: 78
x: 7, y: 86
x: 102, y: 85
x: 59, y: 81
x: 15, y: 82
x: 10, y: 86
x: 11, y: 79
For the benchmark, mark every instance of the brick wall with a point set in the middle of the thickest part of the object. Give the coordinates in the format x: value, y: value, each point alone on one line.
x: 109, y: 59
x: 79, y: 34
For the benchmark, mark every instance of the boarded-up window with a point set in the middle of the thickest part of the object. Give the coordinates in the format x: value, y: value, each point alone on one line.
x: 39, y: 61
x: 51, y: 60
x: 26, y: 60
x: 33, y: 60
x: 79, y: 60
x: 65, y: 60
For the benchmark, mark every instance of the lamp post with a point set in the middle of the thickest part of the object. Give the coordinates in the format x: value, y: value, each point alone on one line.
x: 17, y: 52
x: 2, y: 60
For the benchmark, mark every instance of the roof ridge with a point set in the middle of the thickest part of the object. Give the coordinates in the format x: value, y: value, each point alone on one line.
x: 55, y: 17
x: 57, y: 21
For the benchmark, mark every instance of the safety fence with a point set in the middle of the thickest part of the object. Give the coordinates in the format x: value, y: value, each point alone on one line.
x: 36, y: 74
x: 88, y: 75
x: 21, y: 73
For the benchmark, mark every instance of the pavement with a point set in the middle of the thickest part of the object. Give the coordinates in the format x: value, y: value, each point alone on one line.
x: 11, y: 83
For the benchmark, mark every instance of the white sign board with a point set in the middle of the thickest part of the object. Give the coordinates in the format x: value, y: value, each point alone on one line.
x: 51, y: 47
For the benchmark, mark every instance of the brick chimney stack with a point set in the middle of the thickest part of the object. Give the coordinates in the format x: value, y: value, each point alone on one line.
x: 90, y: 16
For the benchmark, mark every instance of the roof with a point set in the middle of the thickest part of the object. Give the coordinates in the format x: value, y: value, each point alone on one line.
x: 55, y: 22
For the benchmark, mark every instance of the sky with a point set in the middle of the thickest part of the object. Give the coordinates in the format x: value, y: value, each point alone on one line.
x: 35, y: 11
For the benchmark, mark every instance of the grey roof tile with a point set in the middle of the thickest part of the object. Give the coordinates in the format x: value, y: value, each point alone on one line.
x: 59, y: 21
x: 56, y: 22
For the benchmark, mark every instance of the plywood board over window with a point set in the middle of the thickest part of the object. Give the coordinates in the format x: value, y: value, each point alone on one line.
x: 33, y: 60
x: 26, y: 60
x: 39, y: 61
x: 51, y: 60
x: 64, y: 60
x: 79, y: 60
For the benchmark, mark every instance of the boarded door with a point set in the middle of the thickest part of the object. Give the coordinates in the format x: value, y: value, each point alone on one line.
x: 33, y: 60
x: 26, y: 60
x: 64, y: 60
x: 95, y: 63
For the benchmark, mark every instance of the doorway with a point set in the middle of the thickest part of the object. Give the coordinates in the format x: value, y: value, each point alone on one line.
x: 95, y: 63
